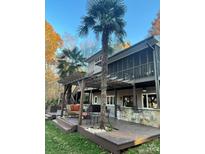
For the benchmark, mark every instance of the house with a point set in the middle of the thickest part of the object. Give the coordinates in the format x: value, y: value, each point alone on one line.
x: 133, y: 92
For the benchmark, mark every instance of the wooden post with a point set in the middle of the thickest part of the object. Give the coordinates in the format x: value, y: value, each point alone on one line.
x: 156, y: 74
x: 90, y: 97
x: 115, y: 102
x: 64, y: 99
x: 82, y: 87
x: 134, y: 98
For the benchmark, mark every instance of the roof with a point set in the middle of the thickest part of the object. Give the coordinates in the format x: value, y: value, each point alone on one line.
x: 150, y: 41
x: 91, y: 58
x: 128, y: 51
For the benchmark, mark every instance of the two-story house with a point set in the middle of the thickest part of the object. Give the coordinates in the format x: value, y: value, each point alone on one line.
x: 133, y: 92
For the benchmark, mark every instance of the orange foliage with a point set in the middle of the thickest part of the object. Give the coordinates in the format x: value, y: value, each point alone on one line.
x: 52, y: 87
x: 50, y: 76
x: 155, y: 30
x: 125, y: 45
x: 53, y: 41
x: 120, y: 46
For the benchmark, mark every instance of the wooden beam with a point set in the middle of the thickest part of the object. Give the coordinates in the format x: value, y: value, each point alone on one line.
x: 82, y: 87
x: 156, y: 74
x: 134, y: 98
x: 90, y: 97
x: 115, y: 102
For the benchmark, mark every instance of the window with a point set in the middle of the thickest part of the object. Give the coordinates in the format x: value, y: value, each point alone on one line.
x: 86, y: 98
x: 128, y: 101
x: 96, y: 100
x: 124, y: 63
x: 143, y: 57
x: 150, y: 56
x: 110, y: 100
x: 149, y: 100
x: 114, y: 67
x: 98, y: 59
x: 130, y: 61
x: 136, y: 59
x: 119, y: 65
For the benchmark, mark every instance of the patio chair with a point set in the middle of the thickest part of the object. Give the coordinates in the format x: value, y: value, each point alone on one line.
x: 93, y: 114
x: 73, y: 110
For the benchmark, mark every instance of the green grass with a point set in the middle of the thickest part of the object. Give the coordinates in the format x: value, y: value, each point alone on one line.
x: 152, y: 147
x: 58, y: 142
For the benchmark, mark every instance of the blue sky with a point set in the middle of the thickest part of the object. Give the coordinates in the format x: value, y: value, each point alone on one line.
x: 65, y: 16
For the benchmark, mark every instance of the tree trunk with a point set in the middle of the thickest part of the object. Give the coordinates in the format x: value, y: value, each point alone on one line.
x: 104, y: 79
x: 82, y: 87
x: 68, y: 96
x: 64, y: 100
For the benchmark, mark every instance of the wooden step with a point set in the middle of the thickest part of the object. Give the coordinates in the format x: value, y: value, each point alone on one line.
x: 48, y: 117
x: 65, y: 122
x: 65, y: 125
x: 62, y: 127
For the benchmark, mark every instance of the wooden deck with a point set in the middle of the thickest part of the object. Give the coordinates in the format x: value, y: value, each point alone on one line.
x: 124, y: 135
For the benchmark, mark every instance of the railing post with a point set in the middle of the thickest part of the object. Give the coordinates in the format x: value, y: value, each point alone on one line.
x: 156, y: 75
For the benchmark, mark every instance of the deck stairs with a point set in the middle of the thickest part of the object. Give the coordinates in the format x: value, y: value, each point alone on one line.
x: 65, y: 125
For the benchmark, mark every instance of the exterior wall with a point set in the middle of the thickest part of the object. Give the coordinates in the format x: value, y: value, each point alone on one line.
x: 92, y: 68
x: 149, y: 117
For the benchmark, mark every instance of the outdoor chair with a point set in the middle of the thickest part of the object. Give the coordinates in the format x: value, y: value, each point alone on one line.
x: 73, y: 110
x: 93, y: 114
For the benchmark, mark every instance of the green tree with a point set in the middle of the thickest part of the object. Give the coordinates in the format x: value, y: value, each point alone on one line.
x: 104, y: 18
x: 69, y: 62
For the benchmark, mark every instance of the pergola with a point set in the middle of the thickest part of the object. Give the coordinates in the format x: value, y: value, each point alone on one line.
x: 83, y: 81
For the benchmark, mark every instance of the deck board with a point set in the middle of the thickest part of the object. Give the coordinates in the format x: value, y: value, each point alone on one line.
x: 125, y: 135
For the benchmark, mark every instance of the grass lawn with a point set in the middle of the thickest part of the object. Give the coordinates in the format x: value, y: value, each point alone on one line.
x: 58, y: 142
x: 152, y: 147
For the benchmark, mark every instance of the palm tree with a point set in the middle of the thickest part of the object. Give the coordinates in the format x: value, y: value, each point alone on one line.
x: 104, y: 18
x: 70, y: 61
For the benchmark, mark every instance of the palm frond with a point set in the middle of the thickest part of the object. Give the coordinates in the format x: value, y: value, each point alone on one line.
x: 83, y: 30
x: 86, y: 23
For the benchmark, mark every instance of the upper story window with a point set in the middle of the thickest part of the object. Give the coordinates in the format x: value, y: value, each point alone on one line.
x: 143, y: 57
x: 98, y: 59
x: 130, y: 61
x: 150, y: 56
x: 136, y: 59
x: 124, y: 63
x: 119, y: 65
x: 149, y: 100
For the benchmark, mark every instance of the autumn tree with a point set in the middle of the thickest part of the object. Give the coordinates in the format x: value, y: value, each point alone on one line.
x: 53, y: 41
x: 52, y: 88
x: 118, y: 46
x: 155, y: 29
